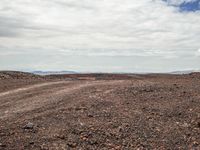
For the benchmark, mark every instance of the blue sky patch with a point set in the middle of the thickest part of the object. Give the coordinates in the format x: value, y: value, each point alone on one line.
x: 186, y: 6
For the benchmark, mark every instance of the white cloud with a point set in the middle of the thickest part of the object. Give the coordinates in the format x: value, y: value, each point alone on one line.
x: 197, y: 52
x: 98, y: 28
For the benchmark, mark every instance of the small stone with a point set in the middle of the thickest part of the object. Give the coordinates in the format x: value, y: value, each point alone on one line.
x: 31, y: 143
x: 44, y: 147
x: 185, y: 125
x: 2, y: 145
x: 80, y: 108
x: 62, y: 137
x: 93, y: 142
x: 195, y: 143
x: 120, y: 129
x: 77, y: 108
x: 84, y: 138
x: 29, y: 126
x: 198, y: 124
x: 117, y: 147
x: 2, y: 134
x: 73, y: 145
x: 90, y: 115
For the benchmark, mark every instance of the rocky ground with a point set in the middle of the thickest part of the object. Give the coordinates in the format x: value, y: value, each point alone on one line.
x: 99, y: 111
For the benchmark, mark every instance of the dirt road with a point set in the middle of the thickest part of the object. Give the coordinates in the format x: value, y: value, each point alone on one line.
x: 152, y: 113
x: 36, y: 96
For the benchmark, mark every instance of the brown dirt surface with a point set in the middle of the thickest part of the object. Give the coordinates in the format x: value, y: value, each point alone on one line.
x: 99, y: 111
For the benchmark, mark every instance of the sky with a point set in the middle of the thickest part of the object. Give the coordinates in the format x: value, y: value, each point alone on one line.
x: 100, y: 35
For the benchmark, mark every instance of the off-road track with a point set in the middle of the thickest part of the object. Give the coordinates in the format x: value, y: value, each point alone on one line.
x: 144, y: 112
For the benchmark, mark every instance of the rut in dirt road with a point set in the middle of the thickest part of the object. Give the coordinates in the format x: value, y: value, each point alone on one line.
x: 37, y: 96
x: 29, y: 88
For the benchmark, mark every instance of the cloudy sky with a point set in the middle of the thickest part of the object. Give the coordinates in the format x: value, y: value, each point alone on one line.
x: 100, y: 35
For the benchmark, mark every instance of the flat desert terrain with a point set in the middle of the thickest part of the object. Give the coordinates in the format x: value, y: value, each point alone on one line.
x: 99, y: 111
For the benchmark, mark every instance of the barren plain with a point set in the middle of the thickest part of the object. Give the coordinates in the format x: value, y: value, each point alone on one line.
x: 99, y: 111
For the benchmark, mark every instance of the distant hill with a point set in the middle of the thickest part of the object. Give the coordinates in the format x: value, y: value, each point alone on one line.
x: 53, y: 72
x: 17, y: 75
x: 184, y: 72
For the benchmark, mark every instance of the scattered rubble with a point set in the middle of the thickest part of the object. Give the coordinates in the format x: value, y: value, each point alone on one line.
x: 138, y: 112
x: 28, y: 126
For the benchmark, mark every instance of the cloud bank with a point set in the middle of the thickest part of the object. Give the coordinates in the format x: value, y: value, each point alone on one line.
x: 62, y: 29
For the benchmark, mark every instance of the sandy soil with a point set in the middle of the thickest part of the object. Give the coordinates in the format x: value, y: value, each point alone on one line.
x: 101, y: 112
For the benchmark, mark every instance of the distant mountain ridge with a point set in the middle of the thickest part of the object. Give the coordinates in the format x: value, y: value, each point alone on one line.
x: 184, y: 72
x: 53, y: 72
x: 74, y: 72
x: 5, y: 74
